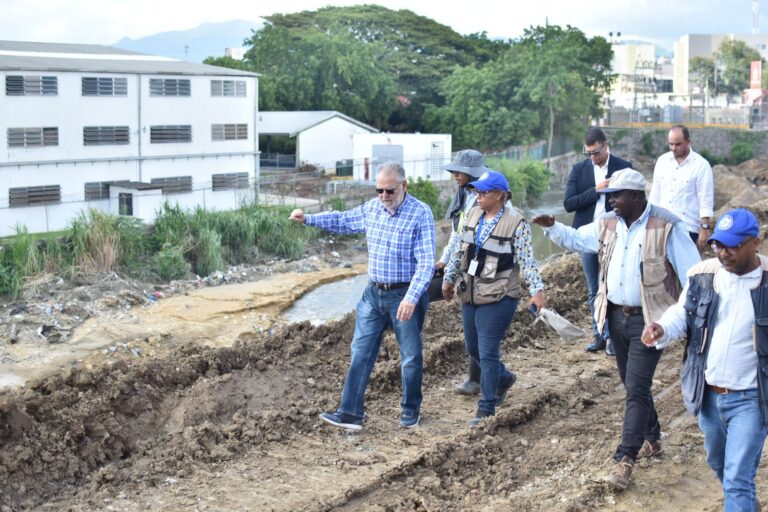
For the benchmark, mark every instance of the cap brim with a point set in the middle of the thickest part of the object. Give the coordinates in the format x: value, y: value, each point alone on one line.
x: 475, y: 172
x: 609, y: 190
x: 728, y: 239
x: 482, y: 187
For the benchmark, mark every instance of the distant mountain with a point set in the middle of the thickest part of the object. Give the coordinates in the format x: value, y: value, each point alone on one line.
x: 658, y: 50
x: 194, y: 45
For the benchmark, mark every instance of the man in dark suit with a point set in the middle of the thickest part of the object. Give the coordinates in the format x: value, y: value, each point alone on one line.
x: 581, y: 197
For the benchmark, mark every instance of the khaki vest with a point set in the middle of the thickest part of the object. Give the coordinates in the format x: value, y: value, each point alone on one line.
x: 659, y: 285
x: 490, y: 284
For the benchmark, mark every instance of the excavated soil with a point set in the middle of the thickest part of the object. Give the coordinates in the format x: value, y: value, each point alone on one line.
x: 236, y: 428
x: 218, y: 412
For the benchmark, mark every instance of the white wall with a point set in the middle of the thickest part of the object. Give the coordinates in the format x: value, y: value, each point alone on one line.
x: 423, y: 154
x: 71, y: 164
x: 323, y: 145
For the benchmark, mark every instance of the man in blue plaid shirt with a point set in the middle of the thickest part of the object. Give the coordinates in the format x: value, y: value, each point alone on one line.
x: 400, y: 231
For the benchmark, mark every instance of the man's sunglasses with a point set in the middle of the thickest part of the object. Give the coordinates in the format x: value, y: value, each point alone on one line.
x: 389, y: 191
x: 595, y: 152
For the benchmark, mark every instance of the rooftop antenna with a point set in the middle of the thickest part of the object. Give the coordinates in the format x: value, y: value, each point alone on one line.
x: 755, y: 17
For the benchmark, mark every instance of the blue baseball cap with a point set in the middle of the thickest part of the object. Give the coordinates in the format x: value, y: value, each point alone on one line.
x: 734, y: 227
x: 490, y: 180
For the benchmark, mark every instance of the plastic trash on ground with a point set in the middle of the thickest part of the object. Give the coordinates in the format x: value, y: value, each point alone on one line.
x: 567, y: 331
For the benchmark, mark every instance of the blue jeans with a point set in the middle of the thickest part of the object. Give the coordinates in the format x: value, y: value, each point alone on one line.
x: 591, y: 266
x: 733, y: 438
x: 637, y: 364
x: 484, y: 326
x: 377, y: 310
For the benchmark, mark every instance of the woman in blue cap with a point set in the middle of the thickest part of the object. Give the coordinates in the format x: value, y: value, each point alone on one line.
x: 485, y: 275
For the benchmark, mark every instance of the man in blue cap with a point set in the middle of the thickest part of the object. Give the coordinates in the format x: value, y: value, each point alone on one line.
x: 723, y: 310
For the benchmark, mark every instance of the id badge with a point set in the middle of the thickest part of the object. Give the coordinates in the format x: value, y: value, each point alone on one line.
x: 472, y: 270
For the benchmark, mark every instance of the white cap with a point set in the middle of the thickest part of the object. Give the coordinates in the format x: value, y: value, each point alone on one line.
x: 625, y: 179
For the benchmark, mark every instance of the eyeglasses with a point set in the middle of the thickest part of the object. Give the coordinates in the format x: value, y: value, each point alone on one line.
x: 482, y: 193
x: 717, y: 247
x: 389, y: 191
x: 595, y: 152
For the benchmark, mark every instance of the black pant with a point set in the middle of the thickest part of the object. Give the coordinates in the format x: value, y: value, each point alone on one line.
x: 637, y: 364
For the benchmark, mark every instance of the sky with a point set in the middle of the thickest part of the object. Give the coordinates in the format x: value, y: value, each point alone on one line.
x: 108, y: 21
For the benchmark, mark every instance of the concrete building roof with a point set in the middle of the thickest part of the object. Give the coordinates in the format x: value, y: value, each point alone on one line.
x: 292, y: 123
x: 91, y: 58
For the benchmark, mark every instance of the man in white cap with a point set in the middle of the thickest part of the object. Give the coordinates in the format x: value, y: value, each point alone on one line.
x: 723, y: 313
x: 644, y: 254
x: 466, y: 167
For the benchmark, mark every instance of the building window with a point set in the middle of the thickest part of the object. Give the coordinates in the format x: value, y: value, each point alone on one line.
x: 105, y: 135
x: 229, y: 131
x: 125, y: 203
x: 230, y: 181
x: 104, y: 86
x: 169, y: 87
x: 174, y: 185
x: 18, y: 85
x: 33, y: 137
x: 34, y: 196
x: 97, y: 190
x: 170, y: 133
x: 228, y: 88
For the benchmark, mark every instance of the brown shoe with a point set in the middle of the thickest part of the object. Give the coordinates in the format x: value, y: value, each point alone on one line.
x: 621, y: 473
x: 649, y: 449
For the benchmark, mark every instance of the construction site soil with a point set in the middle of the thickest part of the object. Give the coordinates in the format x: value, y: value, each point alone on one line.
x: 215, y: 407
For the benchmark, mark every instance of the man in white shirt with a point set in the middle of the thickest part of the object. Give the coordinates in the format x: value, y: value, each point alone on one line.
x: 724, y: 312
x: 644, y: 253
x: 683, y: 184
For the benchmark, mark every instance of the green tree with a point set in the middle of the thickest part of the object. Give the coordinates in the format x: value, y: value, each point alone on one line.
x: 736, y: 58
x: 329, y: 70
x: 547, y: 83
x: 704, y: 70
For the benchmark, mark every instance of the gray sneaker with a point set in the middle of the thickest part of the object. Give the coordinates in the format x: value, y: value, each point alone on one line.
x: 467, y: 387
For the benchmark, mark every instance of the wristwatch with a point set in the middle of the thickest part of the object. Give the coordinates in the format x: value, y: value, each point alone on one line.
x: 704, y: 226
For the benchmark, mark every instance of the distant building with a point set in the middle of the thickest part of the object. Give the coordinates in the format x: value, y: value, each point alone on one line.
x: 86, y: 126
x: 321, y: 138
x: 235, y: 53
x: 642, y: 80
x: 706, y: 45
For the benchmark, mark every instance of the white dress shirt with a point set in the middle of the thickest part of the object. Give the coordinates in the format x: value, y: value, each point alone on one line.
x: 686, y: 189
x: 601, y: 172
x: 731, y: 360
x: 623, y: 277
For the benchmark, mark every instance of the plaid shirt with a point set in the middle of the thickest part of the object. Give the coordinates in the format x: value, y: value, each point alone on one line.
x: 401, y: 246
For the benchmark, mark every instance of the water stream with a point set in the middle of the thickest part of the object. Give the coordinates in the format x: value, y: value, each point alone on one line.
x: 334, y: 300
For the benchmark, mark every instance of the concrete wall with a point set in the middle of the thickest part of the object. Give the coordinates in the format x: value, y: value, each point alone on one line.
x: 652, y: 142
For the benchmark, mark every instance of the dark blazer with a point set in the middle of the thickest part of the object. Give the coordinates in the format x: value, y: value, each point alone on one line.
x: 580, y: 193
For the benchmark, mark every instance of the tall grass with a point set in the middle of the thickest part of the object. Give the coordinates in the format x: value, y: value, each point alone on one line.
x: 181, y: 240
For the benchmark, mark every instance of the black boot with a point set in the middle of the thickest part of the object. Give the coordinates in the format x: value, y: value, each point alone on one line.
x: 609, y: 347
x: 597, y: 345
x: 472, y: 385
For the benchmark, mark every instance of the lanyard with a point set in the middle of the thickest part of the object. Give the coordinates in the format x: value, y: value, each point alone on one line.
x: 484, y: 230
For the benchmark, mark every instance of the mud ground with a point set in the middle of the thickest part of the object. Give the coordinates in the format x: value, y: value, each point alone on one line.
x: 185, y: 426
x: 235, y: 428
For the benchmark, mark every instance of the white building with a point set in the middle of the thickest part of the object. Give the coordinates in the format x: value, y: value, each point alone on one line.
x: 421, y: 154
x: 88, y: 126
x: 706, y: 45
x: 641, y: 79
x: 323, y: 137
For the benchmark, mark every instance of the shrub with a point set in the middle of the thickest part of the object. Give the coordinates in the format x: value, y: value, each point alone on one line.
x: 337, y: 203
x: 711, y: 157
x: 528, y: 179
x: 426, y: 191
x: 170, y: 263
x: 646, y: 144
x: 206, y: 252
x: 741, y: 152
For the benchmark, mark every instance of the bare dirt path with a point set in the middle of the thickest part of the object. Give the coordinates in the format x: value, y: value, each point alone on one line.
x: 235, y: 428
